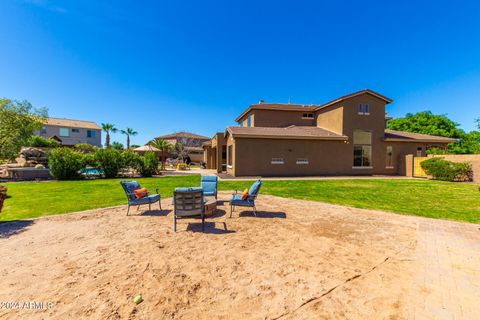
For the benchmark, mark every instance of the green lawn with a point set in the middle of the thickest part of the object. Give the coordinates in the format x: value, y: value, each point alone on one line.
x: 446, y: 200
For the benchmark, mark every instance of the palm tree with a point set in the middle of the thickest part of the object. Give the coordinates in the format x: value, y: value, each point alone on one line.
x: 162, y: 145
x: 108, y: 128
x: 129, y: 132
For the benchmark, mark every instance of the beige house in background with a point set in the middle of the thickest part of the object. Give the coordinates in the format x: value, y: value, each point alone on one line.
x: 346, y: 136
x: 192, y: 143
x: 71, y: 132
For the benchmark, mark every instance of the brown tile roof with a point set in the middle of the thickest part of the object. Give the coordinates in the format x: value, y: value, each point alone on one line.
x: 354, y: 94
x: 392, y: 135
x: 277, y: 106
x: 291, y: 132
x: 183, y: 134
x: 311, y: 107
x: 72, y: 123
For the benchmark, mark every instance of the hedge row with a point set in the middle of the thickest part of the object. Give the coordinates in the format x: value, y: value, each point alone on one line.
x: 66, y: 163
x: 441, y: 169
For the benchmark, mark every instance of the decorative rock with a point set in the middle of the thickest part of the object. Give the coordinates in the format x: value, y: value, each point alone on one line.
x: 39, y: 166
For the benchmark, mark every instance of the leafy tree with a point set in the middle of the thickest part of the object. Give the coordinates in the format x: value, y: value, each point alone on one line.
x: 65, y: 163
x: 18, y: 122
x: 150, y: 164
x: 129, y: 132
x: 164, y: 146
x: 180, y: 151
x: 116, y: 145
x: 427, y: 123
x: 108, y: 128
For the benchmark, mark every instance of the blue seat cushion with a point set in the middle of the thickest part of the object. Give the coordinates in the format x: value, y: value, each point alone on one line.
x: 188, y: 189
x: 145, y: 200
x: 253, y: 191
x: 129, y: 186
x: 236, y: 200
x: 209, y: 193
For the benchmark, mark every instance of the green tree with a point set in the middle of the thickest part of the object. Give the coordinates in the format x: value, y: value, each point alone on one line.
x: 117, y: 145
x: 164, y: 146
x: 18, y: 122
x: 129, y: 132
x: 108, y: 128
x: 427, y: 123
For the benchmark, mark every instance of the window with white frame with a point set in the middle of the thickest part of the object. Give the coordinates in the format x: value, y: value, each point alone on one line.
x: 64, y: 132
x: 302, y: 161
x: 307, y: 116
x: 389, y: 162
x: 363, y: 109
x: 229, y: 156
x: 362, y: 149
x: 277, y: 161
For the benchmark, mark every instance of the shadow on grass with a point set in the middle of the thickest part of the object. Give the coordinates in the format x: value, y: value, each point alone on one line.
x: 11, y: 228
x: 263, y: 214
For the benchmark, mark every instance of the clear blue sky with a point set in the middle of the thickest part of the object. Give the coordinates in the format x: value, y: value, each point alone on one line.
x: 164, y: 66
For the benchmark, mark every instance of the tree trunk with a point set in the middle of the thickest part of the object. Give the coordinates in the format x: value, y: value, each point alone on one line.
x: 128, y: 142
x: 163, y: 159
x: 3, y: 196
x: 107, y: 141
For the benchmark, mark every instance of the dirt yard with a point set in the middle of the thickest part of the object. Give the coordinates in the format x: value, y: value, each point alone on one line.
x: 296, y: 260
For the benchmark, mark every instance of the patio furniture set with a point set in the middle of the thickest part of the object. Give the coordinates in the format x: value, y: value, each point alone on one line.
x: 191, y: 202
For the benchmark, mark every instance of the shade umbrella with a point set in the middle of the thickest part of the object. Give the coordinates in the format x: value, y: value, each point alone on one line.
x: 147, y: 148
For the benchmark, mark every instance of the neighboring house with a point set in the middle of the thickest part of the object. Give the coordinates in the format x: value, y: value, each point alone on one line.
x: 191, y: 141
x: 71, y: 132
x: 346, y: 136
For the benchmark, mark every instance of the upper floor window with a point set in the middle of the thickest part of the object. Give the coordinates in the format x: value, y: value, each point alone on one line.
x: 249, y: 121
x: 307, y: 116
x: 91, y: 134
x: 364, y: 109
x: 75, y: 130
x: 302, y: 161
x: 64, y: 132
x: 43, y: 130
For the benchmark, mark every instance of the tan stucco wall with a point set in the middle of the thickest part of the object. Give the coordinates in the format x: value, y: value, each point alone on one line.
x: 331, y: 118
x: 74, y: 137
x: 277, y: 118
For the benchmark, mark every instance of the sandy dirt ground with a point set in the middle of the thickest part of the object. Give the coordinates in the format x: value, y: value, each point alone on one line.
x: 296, y: 260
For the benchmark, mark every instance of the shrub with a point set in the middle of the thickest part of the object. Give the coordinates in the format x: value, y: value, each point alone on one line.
x: 109, y: 160
x: 150, y: 164
x: 436, y: 150
x: 132, y: 160
x: 65, y: 163
x: 40, y: 142
x: 441, y: 169
x: 85, y: 147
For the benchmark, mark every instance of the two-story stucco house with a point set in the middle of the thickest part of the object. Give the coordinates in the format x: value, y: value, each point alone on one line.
x: 346, y: 136
x: 71, y: 132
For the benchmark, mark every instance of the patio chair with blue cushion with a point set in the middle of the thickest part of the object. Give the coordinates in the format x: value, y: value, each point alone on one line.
x: 236, y: 199
x: 130, y: 186
x: 188, y: 203
x: 209, y: 185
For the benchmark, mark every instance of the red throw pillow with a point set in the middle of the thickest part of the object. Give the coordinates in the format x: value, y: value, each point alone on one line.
x: 245, y: 194
x: 140, y: 193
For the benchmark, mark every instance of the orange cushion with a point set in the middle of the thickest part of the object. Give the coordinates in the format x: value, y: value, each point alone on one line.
x: 245, y: 194
x: 140, y: 193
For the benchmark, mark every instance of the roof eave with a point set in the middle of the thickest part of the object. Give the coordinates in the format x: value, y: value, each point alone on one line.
x: 418, y: 140
x: 258, y: 136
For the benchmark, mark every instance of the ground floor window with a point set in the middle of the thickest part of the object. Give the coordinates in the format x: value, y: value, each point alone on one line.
x: 229, y: 155
x: 277, y: 161
x: 389, y: 157
x: 419, y: 151
x: 302, y: 161
x: 362, y: 148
